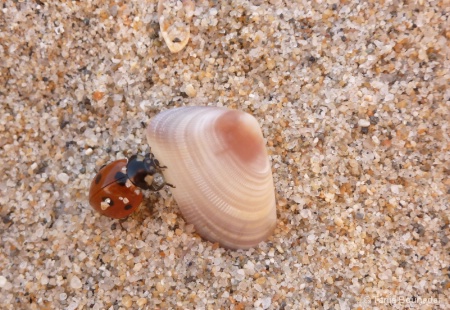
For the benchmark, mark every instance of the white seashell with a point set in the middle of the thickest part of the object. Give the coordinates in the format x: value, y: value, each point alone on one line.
x: 175, y: 22
x: 217, y: 160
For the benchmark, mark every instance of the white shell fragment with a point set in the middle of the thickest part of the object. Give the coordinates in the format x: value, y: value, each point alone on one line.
x: 175, y: 22
x: 218, y: 162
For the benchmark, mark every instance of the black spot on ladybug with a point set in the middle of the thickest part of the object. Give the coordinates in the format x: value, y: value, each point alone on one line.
x: 121, y: 178
x: 108, y: 200
x: 128, y: 207
x: 98, y: 178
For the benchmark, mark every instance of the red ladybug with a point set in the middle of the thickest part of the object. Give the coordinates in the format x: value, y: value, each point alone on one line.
x: 116, y: 189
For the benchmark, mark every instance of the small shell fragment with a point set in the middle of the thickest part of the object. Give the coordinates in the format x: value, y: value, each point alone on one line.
x: 217, y: 160
x: 174, y: 21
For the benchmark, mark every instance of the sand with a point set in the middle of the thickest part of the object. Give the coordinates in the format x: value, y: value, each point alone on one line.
x: 353, y: 100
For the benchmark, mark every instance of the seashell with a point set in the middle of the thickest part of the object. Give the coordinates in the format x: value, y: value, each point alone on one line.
x: 174, y: 21
x: 217, y: 160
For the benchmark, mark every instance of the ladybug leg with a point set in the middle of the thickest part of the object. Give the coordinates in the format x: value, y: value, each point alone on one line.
x: 171, y: 185
x: 122, y: 221
x: 158, y: 165
x: 152, y: 159
x: 151, y: 156
x: 103, y: 166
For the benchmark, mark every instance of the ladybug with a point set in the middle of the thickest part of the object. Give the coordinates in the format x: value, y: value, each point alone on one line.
x: 116, y: 189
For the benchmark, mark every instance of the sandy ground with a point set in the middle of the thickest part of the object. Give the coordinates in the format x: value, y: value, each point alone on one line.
x: 352, y: 97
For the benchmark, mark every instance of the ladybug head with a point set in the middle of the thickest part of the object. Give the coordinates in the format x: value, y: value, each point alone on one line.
x: 145, y: 172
